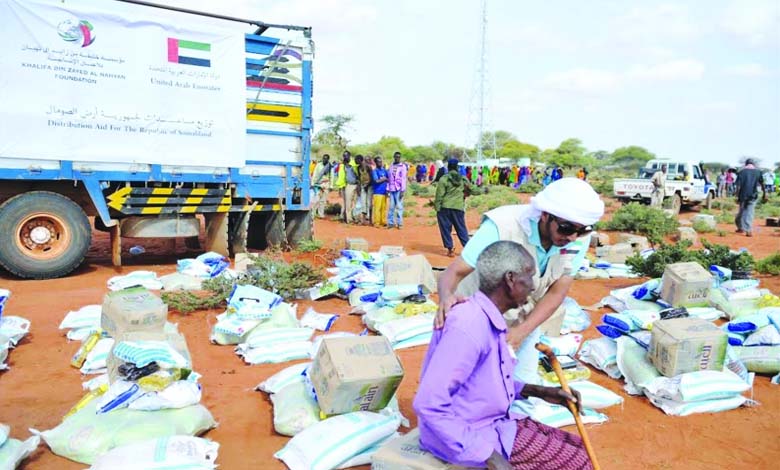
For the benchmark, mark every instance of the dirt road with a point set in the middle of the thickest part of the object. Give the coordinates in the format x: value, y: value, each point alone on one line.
x: 41, y: 386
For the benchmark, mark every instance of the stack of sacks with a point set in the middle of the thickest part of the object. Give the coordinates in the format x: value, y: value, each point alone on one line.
x: 755, y: 340
x: 13, y: 451
x: 705, y: 391
x: 739, y: 297
x: 149, y: 391
x: 12, y: 329
x: 84, y: 325
x: 82, y: 322
x: 206, y: 266
x: 403, y: 322
x: 295, y: 409
x: 282, y: 337
x: 145, y: 279
x: 248, y: 306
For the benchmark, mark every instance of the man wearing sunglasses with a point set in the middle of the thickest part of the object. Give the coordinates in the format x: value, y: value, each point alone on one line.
x: 555, y: 228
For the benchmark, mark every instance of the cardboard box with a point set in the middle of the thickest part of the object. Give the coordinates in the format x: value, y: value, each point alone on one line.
x: 392, y: 251
x: 134, y: 309
x: 617, y: 253
x: 681, y: 345
x: 359, y: 244
x: 686, y: 285
x: 358, y: 373
x: 413, y: 269
x: 170, y: 335
x: 404, y: 453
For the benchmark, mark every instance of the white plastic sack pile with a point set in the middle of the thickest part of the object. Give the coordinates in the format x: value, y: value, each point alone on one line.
x: 408, y: 331
x: 706, y: 391
x: 13, y: 451
x: 601, y: 353
x: 82, y: 322
x: 147, y: 279
x: 565, y: 345
x: 233, y: 328
x: 14, y: 328
x: 274, y: 345
x: 329, y: 443
x: 163, y: 453
x: 294, y: 409
x: 284, y: 377
x: 86, y: 435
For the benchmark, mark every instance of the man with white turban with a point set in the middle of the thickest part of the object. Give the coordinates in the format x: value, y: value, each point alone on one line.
x: 555, y: 228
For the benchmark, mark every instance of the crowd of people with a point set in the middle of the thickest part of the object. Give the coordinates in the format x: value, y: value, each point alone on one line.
x: 372, y: 193
x: 727, y: 180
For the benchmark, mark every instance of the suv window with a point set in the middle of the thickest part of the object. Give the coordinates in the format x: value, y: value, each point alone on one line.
x: 697, y: 173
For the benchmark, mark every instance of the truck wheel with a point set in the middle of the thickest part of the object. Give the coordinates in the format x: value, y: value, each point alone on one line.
x: 47, y: 235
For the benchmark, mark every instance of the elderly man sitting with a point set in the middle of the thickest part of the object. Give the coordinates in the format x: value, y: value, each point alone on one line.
x: 467, y: 386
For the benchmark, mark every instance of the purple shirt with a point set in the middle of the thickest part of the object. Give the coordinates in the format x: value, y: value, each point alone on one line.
x: 466, y: 388
x: 396, y: 181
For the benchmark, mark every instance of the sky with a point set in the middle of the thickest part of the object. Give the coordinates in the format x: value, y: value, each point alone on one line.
x: 689, y: 80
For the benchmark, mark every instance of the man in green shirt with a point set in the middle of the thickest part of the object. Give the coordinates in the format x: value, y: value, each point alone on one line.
x: 450, y: 205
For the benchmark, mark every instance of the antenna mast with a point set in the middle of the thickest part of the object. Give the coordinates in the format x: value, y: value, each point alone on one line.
x: 480, y: 100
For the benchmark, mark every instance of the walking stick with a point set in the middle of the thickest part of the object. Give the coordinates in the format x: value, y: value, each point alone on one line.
x: 572, y: 407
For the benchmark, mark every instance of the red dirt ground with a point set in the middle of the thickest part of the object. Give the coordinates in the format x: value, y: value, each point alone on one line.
x: 41, y: 386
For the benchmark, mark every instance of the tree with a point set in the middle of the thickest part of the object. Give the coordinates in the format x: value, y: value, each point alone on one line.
x: 424, y: 154
x: 332, y: 135
x: 569, y: 154
x: 601, y: 156
x: 514, y: 149
x: 632, y: 156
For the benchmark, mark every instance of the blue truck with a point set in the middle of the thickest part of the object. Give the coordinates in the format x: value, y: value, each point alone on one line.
x: 149, y: 121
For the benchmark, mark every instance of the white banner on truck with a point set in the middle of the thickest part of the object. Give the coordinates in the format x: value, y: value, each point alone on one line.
x: 106, y: 81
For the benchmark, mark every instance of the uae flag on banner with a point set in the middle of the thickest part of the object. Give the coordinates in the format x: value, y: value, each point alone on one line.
x: 181, y: 51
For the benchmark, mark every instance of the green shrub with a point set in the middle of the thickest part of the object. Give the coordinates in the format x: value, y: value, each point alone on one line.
x: 724, y: 204
x: 770, y: 208
x: 309, y: 246
x: 769, y: 265
x: 721, y: 233
x: 410, y: 213
x: 410, y: 203
x: 603, y: 186
x: 702, y: 227
x: 497, y: 196
x: 529, y: 188
x: 642, y: 219
x: 273, y: 274
x: 680, y: 252
x: 418, y: 189
x: 724, y: 218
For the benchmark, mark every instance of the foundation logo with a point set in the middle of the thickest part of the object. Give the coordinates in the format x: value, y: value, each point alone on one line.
x: 78, y: 32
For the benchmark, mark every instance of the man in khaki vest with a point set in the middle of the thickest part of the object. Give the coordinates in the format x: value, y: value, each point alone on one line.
x: 659, y: 187
x: 555, y: 228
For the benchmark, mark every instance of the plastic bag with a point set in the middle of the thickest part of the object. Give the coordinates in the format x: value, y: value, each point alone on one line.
x: 275, y: 353
x: 13, y: 451
x: 766, y: 336
x: 162, y: 452
x: 283, y: 378
x: 259, y: 338
x: 566, y: 345
x: 147, y: 279
x: 96, y: 359
x: 419, y: 340
x: 294, y: 409
x: 633, y: 364
x: 761, y: 359
x: 14, y: 328
x: 86, y: 435
x: 143, y: 353
x: 248, y: 298
x: 327, y: 444
x: 319, y: 321
x: 179, y: 394
x: 676, y: 408
x: 595, y: 396
x: 119, y: 395
x: 364, y: 457
x: 282, y: 316
x: 575, y: 318
x: 554, y: 415
x: 697, y: 386
x: 601, y: 353
x: 85, y: 317
x: 621, y: 321
x: 407, y: 327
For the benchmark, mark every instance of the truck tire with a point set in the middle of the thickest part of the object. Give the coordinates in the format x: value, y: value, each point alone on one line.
x: 46, y: 235
x: 298, y: 226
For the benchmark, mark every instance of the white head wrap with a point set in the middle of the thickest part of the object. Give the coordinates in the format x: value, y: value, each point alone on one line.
x: 570, y: 199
